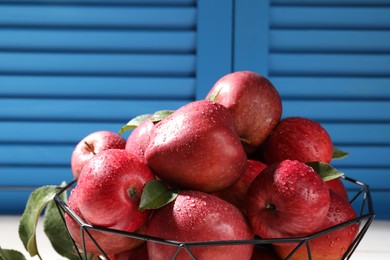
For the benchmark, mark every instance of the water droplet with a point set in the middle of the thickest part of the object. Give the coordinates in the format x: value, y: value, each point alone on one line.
x: 204, y: 203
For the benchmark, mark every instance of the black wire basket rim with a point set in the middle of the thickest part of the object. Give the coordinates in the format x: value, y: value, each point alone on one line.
x: 365, y: 218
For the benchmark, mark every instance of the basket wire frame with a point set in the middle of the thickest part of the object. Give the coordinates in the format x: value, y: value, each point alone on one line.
x: 365, y: 218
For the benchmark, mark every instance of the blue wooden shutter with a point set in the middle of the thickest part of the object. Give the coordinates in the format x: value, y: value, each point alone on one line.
x: 330, y: 62
x: 68, y: 68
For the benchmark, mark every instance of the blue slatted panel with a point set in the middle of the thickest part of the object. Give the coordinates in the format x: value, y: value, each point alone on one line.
x: 68, y: 68
x: 333, y: 66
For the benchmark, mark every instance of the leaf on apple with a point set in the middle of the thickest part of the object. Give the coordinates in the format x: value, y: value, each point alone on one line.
x: 136, y: 121
x: 56, y: 231
x: 156, y: 195
x: 133, y: 123
x: 214, y: 95
x: 160, y: 115
x: 10, y: 254
x: 37, y: 201
x: 326, y: 171
x: 339, y: 154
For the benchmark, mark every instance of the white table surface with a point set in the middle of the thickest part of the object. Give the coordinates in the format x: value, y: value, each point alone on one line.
x: 375, y: 244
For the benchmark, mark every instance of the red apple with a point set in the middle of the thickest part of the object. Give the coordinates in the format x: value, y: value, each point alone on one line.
x: 111, y: 243
x: 196, y: 147
x: 298, y: 138
x: 198, y: 216
x: 288, y: 199
x: 236, y: 193
x: 139, y: 138
x: 93, y: 144
x: 331, y: 245
x: 111, y: 185
x: 254, y: 103
x: 338, y: 186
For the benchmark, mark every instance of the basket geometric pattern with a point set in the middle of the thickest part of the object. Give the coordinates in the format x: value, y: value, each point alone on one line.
x: 361, y: 201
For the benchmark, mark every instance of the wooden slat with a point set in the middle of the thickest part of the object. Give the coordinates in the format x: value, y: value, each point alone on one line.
x: 67, y: 16
x: 329, y: 64
x: 102, y: 40
x: 80, y: 110
x: 107, y: 2
x: 49, y: 132
x: 371, y: 41
x: 342, y: 17
x: 331, y: 2
x: 375, y: 178
x: 97, y: 87
x: 97, y: 64
x: 34, y: 176
x: 332, y: 87
x: 35, y: 155
x: 340, y: 111
x: 359, y: 134
x: 13, y: 201
x: 365, y: 157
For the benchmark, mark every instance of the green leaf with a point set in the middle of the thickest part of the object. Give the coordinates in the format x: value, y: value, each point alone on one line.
x: 9, y: 254
x: 133, y: 123
x: 156, y: 195
x: 214, y: 95
x: 339, y: 154
x: 326, y: 171
x: 37, y: 201
x: 55, y: 229
x: 160, y: 115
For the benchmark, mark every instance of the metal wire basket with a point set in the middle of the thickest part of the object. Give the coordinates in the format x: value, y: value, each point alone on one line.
x: 361, y: 201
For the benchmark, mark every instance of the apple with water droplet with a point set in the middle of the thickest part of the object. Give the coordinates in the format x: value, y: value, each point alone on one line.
x: 196, y: 216
x: 138, y: 140
x: 298, y: 138
x: 236, y: 193
x: 254, y: 103
x: 288, y: 199
x: 333, y: 244
x: 110, y: 188
x: 111, y: 243
x: 197, y: 147
x: 92, y: 144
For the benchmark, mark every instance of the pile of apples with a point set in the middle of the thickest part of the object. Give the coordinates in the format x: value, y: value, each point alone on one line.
x: 224, y: 168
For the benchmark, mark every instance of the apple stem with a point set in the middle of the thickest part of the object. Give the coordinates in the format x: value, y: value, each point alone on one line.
x: 270, y: 206
x: 90, y: 148
x: 133, y: 194
x: 244, y: 140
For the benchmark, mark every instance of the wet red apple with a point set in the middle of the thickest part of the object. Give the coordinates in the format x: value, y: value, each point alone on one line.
x: 298, y: 138
x: 139, y: 138
x: 111, y: 243
x: 110, y: 187
x: 198, y: 216
x: 93, y: 144
x: 288, y: 199
x: 334, y: 244
x: 254, y: 103
x: 197, y: 147
x: 236, y: 193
